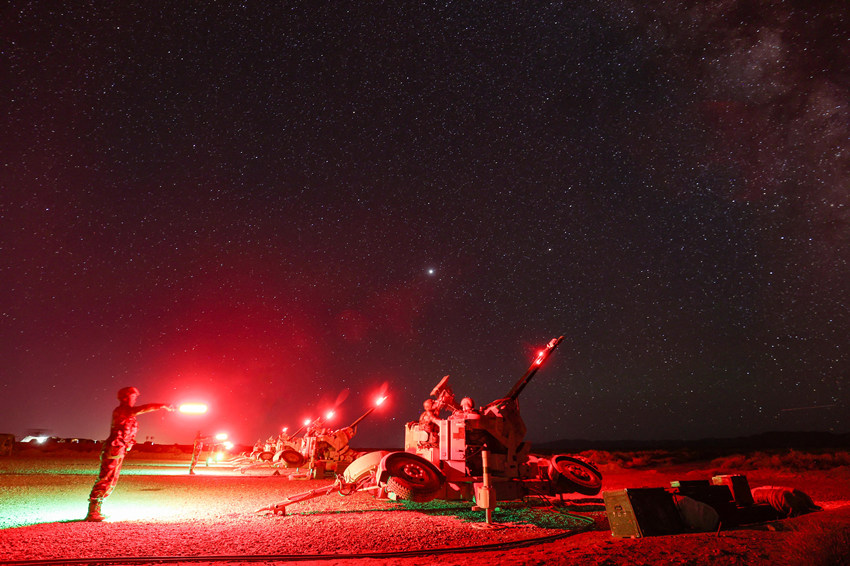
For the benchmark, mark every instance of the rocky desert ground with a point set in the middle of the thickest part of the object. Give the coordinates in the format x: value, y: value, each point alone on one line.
x: 159, y: 514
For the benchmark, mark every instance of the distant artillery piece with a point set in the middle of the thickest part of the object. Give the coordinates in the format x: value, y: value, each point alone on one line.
x: 319, y: 452
x: 285, y: 450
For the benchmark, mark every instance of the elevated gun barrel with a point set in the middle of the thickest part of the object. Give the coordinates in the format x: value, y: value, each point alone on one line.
x: 363, y: 416
x: 535, y: 365
x: 369, y: 412
x: 297, y: 431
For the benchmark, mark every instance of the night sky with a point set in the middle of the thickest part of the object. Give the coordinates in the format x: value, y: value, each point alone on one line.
x: 281, y: 207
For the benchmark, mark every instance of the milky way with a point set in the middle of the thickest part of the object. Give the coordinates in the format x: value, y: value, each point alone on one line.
x: 280, y: 209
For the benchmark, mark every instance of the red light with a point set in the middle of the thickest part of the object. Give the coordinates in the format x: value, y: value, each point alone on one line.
x: 380, y: 400
x: 540, y: 355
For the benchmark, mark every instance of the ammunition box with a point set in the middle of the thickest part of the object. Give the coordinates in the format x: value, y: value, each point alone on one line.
x: 739, y: 486
x: 642, y: 512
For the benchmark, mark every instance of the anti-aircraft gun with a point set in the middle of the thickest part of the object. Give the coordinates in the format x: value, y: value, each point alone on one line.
x: 473, y: 453
x: 328, y: 451
x: 281, y: 451
x: 319, y: 451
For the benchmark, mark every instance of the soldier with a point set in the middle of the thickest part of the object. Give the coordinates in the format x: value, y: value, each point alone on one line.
x: 122, y: 436
x: 428, y: 422
x: 197, y: 448
x: 467, y: 410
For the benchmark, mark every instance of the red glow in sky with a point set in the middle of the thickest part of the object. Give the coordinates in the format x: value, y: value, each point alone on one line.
x: 266, y: 227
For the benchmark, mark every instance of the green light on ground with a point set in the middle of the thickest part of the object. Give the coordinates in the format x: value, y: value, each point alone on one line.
x: 21, y: 511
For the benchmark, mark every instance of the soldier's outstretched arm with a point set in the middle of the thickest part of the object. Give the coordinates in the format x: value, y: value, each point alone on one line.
x: 141, y: 409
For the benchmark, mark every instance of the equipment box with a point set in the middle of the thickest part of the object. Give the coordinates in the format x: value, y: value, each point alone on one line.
x: 642, y: 512
x: 739, y: 486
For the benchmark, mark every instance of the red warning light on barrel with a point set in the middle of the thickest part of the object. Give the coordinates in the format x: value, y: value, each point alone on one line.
x: 540, y: 356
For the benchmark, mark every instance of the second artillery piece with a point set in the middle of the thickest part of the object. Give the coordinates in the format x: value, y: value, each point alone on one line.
x: 474, y: 453
x: 320, y: 451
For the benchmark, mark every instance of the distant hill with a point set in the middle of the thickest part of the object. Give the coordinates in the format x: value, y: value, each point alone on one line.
x: 797, y: 440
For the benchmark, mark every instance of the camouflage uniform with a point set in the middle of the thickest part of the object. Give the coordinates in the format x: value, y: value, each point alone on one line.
x: 122, y: 437
x: 197, y: 448
x: 427, y: 423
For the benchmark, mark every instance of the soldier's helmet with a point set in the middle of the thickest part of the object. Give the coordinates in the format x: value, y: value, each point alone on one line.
x: 125, y: 392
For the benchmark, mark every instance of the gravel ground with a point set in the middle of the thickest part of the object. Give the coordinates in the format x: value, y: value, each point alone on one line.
x: 159, y: 513
x: 159, y: 510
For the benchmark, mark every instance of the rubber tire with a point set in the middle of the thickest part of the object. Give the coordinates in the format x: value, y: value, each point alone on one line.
x: 292, y: 459
x: 266, y: 456
x: 412, y: 479
x: 569, y: 474
x: 404, y: 491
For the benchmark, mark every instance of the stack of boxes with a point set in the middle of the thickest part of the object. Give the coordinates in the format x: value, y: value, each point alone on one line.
x: 653, y: 511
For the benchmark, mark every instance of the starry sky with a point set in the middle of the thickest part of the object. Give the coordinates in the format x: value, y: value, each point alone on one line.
x: 279, y: 208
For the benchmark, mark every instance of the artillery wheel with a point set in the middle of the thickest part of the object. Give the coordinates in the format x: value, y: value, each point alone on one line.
x: 570, y: 474
x: 292, y: 459
x: 364, y: 467
x: 266, y: 456
x: 412, y: 478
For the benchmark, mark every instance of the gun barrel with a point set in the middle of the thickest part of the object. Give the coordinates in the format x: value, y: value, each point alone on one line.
x: 363, y: 416
x: 535, y: 365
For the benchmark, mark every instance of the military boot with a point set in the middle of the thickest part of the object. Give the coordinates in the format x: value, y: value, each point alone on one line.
x: 94, y: 513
